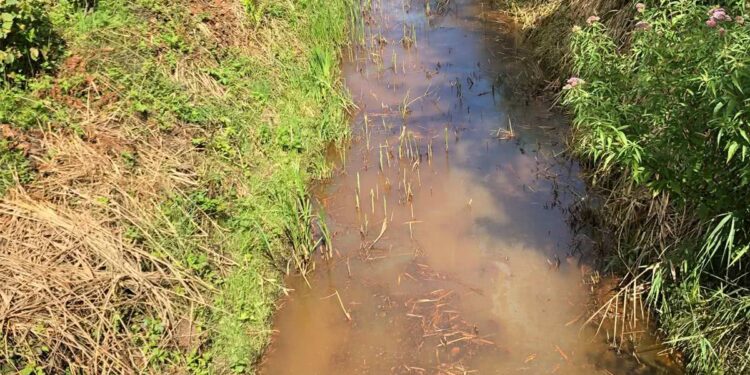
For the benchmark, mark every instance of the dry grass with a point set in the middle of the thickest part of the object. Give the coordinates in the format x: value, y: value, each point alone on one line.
x: 227, y: 26
x: 639, y: 230
x: 71, y: 284
x: 107, y: 255
x: 547, y: 26
x: 629, y: 218
x: 438, y: 327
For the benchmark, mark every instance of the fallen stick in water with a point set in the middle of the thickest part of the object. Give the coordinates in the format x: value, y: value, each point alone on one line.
x: 382, y: 230
x: 341, y: 303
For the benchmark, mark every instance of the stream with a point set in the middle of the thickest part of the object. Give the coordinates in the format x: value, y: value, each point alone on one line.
x: 450, y: 250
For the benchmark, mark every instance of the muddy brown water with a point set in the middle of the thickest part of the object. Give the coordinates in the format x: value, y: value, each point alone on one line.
x: 476, y: 269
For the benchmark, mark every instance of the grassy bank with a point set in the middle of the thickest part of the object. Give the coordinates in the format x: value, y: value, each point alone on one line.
x: 659, y: 95
x: 155, y: 163
x: 546, y: 29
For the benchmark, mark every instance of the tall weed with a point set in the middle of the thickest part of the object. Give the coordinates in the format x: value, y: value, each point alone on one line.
x: 671, y: 113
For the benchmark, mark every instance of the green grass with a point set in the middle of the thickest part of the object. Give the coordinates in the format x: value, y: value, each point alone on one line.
x: 15, y: 167
x: 259, y: 99
x: 669, y: 115
x: 546, y: 28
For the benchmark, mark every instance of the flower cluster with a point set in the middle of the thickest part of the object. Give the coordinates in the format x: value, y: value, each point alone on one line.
x: 592, y: 20
x: 573, y: 82
x: 717, y: 15
x: 642, y: 25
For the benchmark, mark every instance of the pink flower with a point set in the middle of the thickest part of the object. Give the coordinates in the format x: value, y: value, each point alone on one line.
x: 722, y: 31
x: 642, y: 25
x: 573, y: 82
x: 711, y: 22
x: 719, y: 14
x: 592, y: 20
x: 640, y: 7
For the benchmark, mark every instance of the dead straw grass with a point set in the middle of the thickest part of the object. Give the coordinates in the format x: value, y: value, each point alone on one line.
x: 547, y: 26
x: 73, y: 287
x: 640, y: 229
x: 438, y: 326
x: 70, y: 285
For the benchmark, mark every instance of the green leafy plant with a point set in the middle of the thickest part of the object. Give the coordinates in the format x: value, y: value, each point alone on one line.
x: 671, y: 114
x: 28, y: 41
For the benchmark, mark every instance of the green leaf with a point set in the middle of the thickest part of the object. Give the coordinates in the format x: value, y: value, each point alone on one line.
x: 731, y: 150
x: 738, y: 255
x: 718, y: 107
x: 34, y: 53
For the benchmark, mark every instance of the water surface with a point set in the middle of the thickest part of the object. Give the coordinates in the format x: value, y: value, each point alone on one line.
x: 451, y: 250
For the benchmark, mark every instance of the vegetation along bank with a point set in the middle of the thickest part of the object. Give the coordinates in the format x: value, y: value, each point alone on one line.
x: 659, y: 93
x: 155, y: 161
